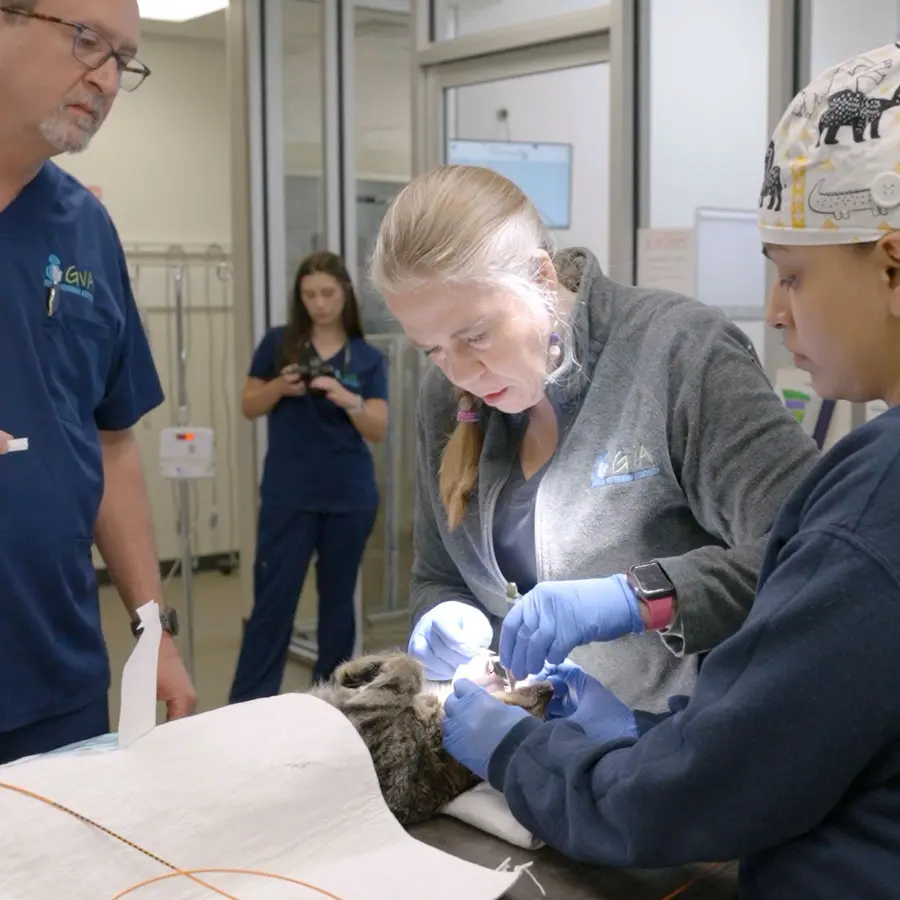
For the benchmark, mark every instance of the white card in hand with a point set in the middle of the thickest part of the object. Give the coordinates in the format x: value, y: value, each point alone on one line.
x: 137, y: 712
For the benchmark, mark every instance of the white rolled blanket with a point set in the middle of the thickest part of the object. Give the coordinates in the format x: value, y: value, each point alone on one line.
x: 284, y: 785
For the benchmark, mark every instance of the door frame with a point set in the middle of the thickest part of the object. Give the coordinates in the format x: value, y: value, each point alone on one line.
x: 602, y: 35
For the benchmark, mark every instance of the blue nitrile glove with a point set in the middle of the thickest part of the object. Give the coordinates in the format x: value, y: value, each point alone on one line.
x: 449, y: 636
x: 579, y: 698
x: 475, y: 723
x: 557, y: 616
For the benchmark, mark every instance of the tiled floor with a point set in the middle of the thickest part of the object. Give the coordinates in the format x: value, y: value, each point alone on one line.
x: 217, y: 634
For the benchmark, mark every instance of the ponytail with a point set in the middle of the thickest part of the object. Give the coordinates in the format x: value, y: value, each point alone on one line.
x: 459, y: 463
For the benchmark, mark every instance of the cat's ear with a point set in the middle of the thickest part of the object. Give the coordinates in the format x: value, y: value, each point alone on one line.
x: 358, y: 672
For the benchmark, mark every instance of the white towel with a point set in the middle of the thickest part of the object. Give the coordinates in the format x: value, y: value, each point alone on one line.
x: 284, y: 785
x: 486, y: 809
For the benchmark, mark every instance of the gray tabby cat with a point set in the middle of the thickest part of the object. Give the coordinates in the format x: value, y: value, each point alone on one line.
x: 384, y: 696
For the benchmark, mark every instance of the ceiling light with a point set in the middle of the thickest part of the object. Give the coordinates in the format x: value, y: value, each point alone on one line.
x: 179, y: 10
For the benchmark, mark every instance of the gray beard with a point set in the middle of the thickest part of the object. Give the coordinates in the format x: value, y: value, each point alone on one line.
x: 63, y: 137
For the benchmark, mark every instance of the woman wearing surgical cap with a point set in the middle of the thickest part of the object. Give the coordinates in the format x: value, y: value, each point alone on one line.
x: 615, y: 455
x: 787, y: 755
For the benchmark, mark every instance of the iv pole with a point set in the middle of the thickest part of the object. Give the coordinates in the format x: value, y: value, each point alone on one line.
x: 184, y: 496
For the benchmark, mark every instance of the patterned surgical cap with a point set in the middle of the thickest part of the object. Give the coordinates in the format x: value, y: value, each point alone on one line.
x: 832, y: 172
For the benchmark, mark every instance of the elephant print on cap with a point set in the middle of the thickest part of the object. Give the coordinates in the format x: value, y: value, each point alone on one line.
x: 852, y: 108
x: 772, y: 183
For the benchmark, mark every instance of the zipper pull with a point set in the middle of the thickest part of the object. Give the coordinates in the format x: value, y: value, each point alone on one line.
x: 512, y: 592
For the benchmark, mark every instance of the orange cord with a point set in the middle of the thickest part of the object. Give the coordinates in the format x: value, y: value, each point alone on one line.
x: 698, y: 877
x: 193, y: 873
x: 176, y: 871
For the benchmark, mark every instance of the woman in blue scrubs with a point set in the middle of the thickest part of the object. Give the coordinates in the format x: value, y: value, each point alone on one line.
x: 318, y: 492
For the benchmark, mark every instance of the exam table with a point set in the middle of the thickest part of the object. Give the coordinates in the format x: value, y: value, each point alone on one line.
x: 563, y: 879
x: 304, y: 798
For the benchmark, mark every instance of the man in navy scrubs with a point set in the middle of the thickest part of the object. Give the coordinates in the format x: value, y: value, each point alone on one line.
x: 75, y: 376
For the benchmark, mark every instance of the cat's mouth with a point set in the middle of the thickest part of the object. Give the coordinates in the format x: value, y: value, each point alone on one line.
x: 494, y: 667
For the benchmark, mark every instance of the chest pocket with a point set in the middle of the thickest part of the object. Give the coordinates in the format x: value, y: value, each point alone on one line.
x: 76, y: 357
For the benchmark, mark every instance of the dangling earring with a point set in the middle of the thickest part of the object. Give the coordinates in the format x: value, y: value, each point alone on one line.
x: 555, y: 349
x: 465, y: 410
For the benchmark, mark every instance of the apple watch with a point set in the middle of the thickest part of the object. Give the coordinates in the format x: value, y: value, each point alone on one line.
x: 168, y: 618
x: 653, y: 587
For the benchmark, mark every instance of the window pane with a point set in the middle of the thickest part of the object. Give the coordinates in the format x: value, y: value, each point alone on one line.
x: 707, y: 140
x: 382, y: 104
x: 455, y: 18
x: 708, y: 134
x: 302, y: 101
x: 383, y: 107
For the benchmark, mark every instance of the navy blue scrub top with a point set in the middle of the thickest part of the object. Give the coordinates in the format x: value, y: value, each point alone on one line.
x: 514, y: 545
x: 513, y: 530
x: 316, y: 459
x: 63, y: 378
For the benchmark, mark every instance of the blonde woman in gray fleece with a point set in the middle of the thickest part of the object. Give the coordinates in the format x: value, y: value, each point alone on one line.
x: 616, y: 455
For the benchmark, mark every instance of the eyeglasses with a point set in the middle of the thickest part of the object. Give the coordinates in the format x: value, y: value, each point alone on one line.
x: 93, y: 50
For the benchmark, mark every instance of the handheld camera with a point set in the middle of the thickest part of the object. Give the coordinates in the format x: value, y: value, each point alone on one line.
x: 312, y: 366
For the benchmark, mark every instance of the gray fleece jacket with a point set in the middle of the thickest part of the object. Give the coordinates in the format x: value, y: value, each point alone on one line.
x: 670, y: 399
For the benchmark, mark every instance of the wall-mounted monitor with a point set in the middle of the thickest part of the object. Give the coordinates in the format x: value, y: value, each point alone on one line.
x: 542, y: 171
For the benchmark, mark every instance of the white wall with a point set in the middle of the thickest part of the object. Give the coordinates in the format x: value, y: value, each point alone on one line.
x: 163, y: 156
x: 839, y: 31
x: 567, y: 106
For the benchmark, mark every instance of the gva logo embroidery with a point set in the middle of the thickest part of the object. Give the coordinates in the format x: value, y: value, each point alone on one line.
x: 71, y: 279
x: 623, y: 466
x: 347, y: 379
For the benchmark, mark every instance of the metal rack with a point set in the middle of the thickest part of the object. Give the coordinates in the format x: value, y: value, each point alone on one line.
x: 184, y: 292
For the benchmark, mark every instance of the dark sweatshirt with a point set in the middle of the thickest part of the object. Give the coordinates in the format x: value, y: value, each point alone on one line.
x: 788, y: 754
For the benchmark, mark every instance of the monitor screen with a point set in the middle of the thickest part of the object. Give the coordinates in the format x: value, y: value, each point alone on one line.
x: 542, y: 171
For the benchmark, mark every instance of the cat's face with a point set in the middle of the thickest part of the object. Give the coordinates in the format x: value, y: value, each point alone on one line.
x: 399, y: 719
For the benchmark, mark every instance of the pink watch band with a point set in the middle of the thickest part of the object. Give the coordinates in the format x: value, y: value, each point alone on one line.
x: 662, y: 612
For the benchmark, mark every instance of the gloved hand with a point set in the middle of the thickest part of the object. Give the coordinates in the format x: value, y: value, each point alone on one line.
x: 475, y: 723
x: 449, y: 636
x: 557, y: 616
x: 579, y: 698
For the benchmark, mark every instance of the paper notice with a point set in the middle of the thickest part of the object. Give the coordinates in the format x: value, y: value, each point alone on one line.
x: 137, y: 712
x: 666, y: 259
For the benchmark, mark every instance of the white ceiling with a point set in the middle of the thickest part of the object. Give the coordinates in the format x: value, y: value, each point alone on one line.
x: 301, y: 21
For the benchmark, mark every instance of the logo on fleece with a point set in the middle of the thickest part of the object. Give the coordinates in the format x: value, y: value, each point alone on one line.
x: 622, y: 466
x: 832, y: 170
